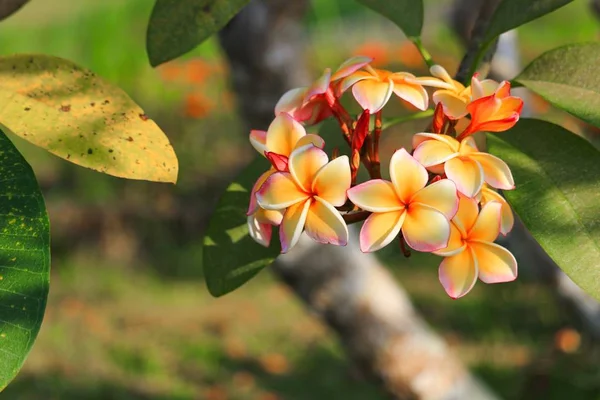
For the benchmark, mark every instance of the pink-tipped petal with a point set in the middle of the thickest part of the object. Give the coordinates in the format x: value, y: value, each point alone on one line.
x: 278, y: 162
x: 425, y: 228
x: 507, y: 219
x: 325, y: 224
x: 253, y: 206
x: 407, y: 174
x: 496, y: 264
x: 261, y: 233
x: 413, y: 93
x: 495, y: 171
x: 458, y: 273
x: 292, y: 225
x: 304, y: 163
x: 433, y: 152
x: 421, y: 137
x: 487, y: 225
x: 350, y: 66
x: 456, y: 243
x: 258, y: 140
x: 310, y: 138
x: 372, y: 95
x: 454, y: 106
x: 320, y: 86
x: 283, y: 134
x: 441, y: 195
x: 467, y: 174
x: 380, y: 229
x: 376, y: 196
x: 332, y: 181
x: 290, y: 101
x: 280, y: 191
x: 467, y: 213
x: 356, y: 77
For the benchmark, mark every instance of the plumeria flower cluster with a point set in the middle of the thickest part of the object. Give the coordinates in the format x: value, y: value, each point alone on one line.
x: 440, y: 196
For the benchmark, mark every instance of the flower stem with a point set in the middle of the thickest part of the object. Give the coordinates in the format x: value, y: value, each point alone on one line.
x: 405, y: 118
x: 376, y: 164
x: 355, y: 217
x: 424, y: 53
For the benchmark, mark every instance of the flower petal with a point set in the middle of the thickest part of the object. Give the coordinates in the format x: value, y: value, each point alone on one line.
x: 280, y: 191
x: 380, y: 229
x: 431, y: 82
x: 496, y: 264
x: 425, y: 228
x: 421, y: 137
x: 495, y: 171
x: 253, y: 206
x: 372, y: 95
x: 466, y: 174
x: 258, y: 140
x: 290, y: 101
x: 283, y: 134
x: 304, y: 163
x: 260, y: 232
x: 271, y: 217
x: 440, y: 195
x: 487, y: 225
x: 458, y: 273
x: 456, y: 243
x: 507, y: 219
x: 292, y: 225
x: 310, y: 138
x: 413, y: 93
x: 376, y: 196
x: 433, y: 152
x: 454, y: 106
x: 332, y: 181
x: 466, y: 215
x: 407, y: 174
x: 325, y: 224
x: 320, y: 86
x: 349, y: 66
x: 351, y: 80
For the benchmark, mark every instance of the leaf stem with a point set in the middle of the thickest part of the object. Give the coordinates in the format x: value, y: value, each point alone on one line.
x: 424, y: 53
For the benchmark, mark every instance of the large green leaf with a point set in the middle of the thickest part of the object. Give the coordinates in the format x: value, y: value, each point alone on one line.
x: 230, y: 256
x: 557, y: 176
x: 511, y: 14
x: 407, y: 14
x: 178, y: 26
x: 24, y: 260
x: 9, y: 7
x: 76, y: 115
x: 568, y: 78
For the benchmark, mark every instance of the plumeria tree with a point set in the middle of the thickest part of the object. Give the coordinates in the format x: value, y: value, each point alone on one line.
x: 446, y: 194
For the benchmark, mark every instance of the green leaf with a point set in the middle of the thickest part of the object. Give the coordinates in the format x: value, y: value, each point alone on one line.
x: 230, y: 256
x: 178, y: 26
x: 511, y: 14
x: 557, y: 176
x: 407, y: 14
x: 9, y: 7
x: 24, y: 260
x: 76, y: 115
x: 568, y: 78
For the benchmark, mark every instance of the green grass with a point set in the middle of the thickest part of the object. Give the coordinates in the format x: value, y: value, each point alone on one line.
x: 129, y: 316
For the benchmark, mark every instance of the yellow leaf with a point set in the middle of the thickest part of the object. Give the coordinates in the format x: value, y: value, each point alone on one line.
x: 76, y: 115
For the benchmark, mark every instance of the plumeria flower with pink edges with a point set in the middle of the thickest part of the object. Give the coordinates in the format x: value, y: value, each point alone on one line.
x: 471, y: 252
x: 462, y: 163
x: 277, y: 143
x: 406, y: 204
x: 507, y: 219
x: 309, y: 193
x: 372, y: 88
x: 453, y: 95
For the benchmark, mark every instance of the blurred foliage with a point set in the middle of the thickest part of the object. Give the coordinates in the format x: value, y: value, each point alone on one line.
x: 129, y: 316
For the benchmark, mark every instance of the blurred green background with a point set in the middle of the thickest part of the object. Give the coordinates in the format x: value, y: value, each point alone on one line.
x: 129, y: 316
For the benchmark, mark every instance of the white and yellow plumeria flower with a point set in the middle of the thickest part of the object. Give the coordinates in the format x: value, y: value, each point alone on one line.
x: 284, y: 135
x: 309, y: 193
x: 462, y: 163
x: 372, y: 88
x: 471, y: 253
x: 406, y: 204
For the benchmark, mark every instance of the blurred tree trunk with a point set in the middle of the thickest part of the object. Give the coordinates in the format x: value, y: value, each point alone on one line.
x: 350, y: 291
x: 8, y: 7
